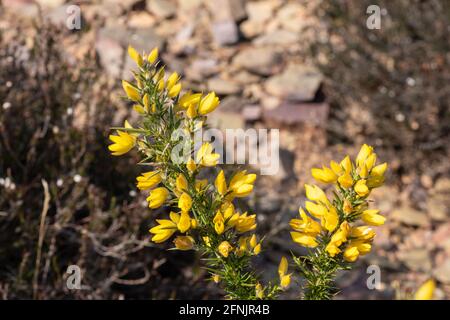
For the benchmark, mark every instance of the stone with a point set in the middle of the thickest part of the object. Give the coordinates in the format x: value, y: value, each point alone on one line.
x: 416, y: 259
x: 292, y: 17
x: 442, y: 272
x: 437, y: 207
x: 410, y: 216
x: 202, y: 68
x: 140, y: 19
x: 223, y: 120
x: 295, y: 113
x: 297, y: 82
x: 277, y: 38
x: 252, y: 112
x: 251, y: 29
x: 225, y: 14
x: 245, y: 78
x: 25, y: 8
x: 225, y: 32
x: 50, y: 3
x: 163, y: 9
x: 261, y: 11
x: 262, y: 61
x: 223, y: 86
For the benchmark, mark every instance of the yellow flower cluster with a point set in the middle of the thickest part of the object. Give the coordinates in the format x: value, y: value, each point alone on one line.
x: 333, y: 223
x: 203, y: 215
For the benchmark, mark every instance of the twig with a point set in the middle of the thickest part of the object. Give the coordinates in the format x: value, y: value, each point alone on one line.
x: 41, y: 237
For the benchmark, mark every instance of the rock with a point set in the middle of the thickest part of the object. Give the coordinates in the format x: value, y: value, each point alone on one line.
x: 200, y: 69
x: 294, y: 113
x: 441, y: 236
x: 141, y: 19
x: 225, y: 14
x: 442, y: 272
x: 26, y: 8
x: 225, y: 32
x: 223, y: 120
x: 409, y: 216
x: 292, y: 17
x: 59, y: 16
x: 245, y: 78
x: 261, y: 11
x: 223, y: 86
x: 163, y: 9
x: 278, y: 38
x: 50, y: 3
x: 297, y: 82
x: 251, y: 29
x: 252, y: 113
x: 263, y: 61
x: 437, y: 207
x: 416, y: 259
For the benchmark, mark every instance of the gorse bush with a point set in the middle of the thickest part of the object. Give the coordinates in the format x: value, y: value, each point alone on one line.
x: 203, y: 216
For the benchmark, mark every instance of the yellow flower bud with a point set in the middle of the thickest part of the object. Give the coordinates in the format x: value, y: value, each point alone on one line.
x: 185, y: 202
x: 131, y: 91
x: 371, y: 217
x: 259, y: 291
x: 190, y: 165
x: 153, y: 56
x: 325, y: 175
x: 304, y: 239
x: 426, y: 291
x: 282, y: 267
x: 175, y: 90
x: 225, y: 248
x: 208, y: 104
x: 361, y: 188
x: 157, y: 197
x: 285, y: 281
x: 216, y: 278
x: 184, y: 243
x: 148, y: 180
x: 345, y: 180
x: 220, y: 183
x: 351, y: 254
x: 135, y: 56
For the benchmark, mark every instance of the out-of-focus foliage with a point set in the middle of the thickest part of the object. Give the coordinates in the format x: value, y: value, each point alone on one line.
x: 390, y: 85
x: 54, y: 119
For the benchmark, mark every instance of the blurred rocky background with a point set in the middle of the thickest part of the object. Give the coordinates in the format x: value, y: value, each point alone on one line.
x: 311, y: 69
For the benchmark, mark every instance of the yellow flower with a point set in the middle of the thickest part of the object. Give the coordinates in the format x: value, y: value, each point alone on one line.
x: 163, y: 231
x: 220, y: 183
x: 200, y: 184
x: 135, y: 56
x: 304, y: 239
x: 219, y: 223
x: 336, y: 167
x: 379, y: 170
x: 153, y: 56
x: 362, y: 233
x: 175, y: 90
x: 123, y: 143
x: 282, y: 267
x: 426, y: 290
x: 172, y: 80
x: 245, y: 223
x: 371, y: 217
x: 157, y: 197
x: 314, y: 193
x: 325, y: 175
x: 208, y: 104
x: 189, y: 99
x: 346, y: 163
x: 183, y: 222
x: 361, y: 188
x: 316, y: 210
x: 339, y: 237
x: 185, y: 202
x: 332, y: 249
x: 205, y: 157
x: 346, y: 180
x: 181, y: 183
x: 363, y: 154
x: 285, y: 281
x: 160, y: 85
x: 148, y: 180
x: 351, y: 254
x: 252, y: 241
x: 225, y: 248
x: 191, y: 111
x: 241, y: 185
x: 347, y: 206
x: 259, y: 291
x: 330, y: 219
x: 190, y: 165
x: 131, y: 91
x: 257, y: 249
x: 184, y: 243
x: 305, y: 225
x: 207, y: 241
x: 216, y: 278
